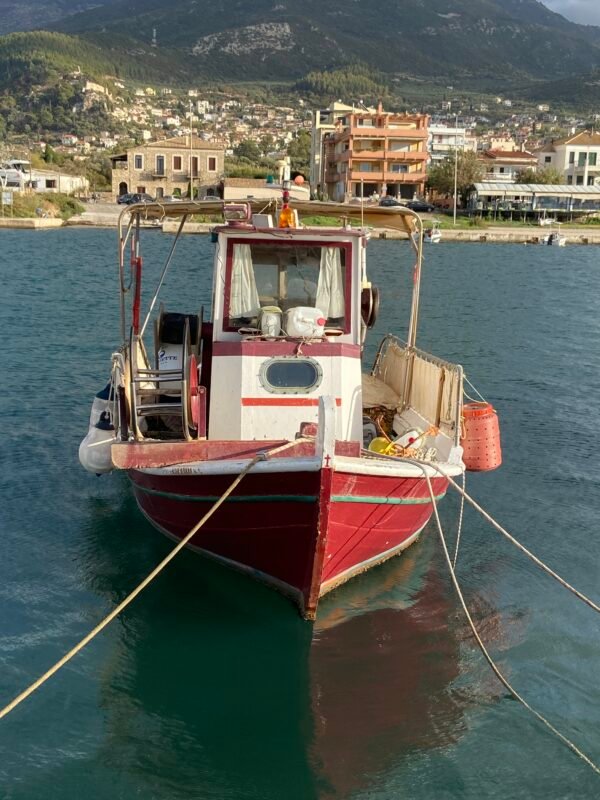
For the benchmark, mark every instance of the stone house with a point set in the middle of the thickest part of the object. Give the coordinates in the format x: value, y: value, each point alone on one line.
x: 169, y: 167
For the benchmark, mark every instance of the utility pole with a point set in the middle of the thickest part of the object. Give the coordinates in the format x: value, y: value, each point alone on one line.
x: 191, y: 159
x: 3, y: 182
x: 455, y: 165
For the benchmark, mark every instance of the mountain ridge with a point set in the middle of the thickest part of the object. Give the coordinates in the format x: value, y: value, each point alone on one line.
x: 223, y: 38
x: 500, y: 43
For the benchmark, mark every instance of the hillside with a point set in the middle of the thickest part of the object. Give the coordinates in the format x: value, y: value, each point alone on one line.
x: 235, y: 40
x: 490, y: 46
x: 35, y: 58
x: 24, y: 15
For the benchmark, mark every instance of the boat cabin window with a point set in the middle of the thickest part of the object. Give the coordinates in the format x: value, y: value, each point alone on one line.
x: 284, y: 276
x: 290, y: 375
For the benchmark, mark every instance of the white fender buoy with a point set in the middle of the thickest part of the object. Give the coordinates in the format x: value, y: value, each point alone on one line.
x: 95, y: 449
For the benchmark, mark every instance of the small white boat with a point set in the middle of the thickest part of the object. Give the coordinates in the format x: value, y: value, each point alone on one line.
x: 554, y: 238
x: 544, y: 220
x: 433, y: 235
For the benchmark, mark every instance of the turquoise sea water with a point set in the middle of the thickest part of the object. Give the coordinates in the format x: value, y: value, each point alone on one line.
x: 210, y: 685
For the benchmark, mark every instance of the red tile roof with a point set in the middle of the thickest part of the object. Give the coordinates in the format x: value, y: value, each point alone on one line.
x: 510, y: 155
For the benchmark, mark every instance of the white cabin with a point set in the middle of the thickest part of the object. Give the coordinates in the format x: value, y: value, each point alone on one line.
x: 287, y: 329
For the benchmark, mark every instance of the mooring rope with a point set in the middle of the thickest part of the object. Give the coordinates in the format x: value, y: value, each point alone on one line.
x: 515, y: 542
x: 548, y: 570
x: 263, y: 456
x: 504, y: 681
x: 460, y: 519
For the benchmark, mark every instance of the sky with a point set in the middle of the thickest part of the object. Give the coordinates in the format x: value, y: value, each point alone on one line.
x: 586, y: 12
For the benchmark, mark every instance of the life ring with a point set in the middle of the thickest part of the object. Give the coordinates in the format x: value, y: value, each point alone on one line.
x: 374, y: 307
x: 369, y: 305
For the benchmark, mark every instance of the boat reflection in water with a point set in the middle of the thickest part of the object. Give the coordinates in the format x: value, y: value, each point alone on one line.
x: 382, y: 664
x: 213, y: 684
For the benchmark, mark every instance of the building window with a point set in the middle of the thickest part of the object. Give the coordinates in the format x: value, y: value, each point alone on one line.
x: 569, y: 179
x: 160, y: 165
x: 212, y: 164
x: 194, y: 166
x: 548, y: 160
x: 572, y: 157
x: 365, y: 166
x: 365, y: 122
x: 592, y: 159
x: 590, y: 180
x: 50, y: 183
x: 582, y: 159
x: 580, y: 180
x: 141, y: 190
x: 138, y: 162
x: 501, y: 170
x: 177, y: 163
x: 398, y: 167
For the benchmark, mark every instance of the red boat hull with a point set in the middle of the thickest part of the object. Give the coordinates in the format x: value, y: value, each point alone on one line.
x: 303, y: 532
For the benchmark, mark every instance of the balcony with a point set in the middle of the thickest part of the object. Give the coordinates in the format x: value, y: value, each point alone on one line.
x: 121, y: 165
x: 367, y: 177
x: 387, y: 176
x: 368, y: 155
x: 405, y: 177
x: 389, y: 133
x: 500, y: 177
x: 411, y: 156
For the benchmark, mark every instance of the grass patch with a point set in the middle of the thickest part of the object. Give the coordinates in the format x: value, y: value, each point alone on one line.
x: 53, y: 206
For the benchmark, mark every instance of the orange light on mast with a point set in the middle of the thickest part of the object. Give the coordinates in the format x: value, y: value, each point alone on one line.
x: 287, y: 218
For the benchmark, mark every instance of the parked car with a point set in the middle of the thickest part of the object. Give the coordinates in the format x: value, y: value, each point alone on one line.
x: 420, y: 206
x: 124, y: 199
x: 169, y: 198
x: 141, y: 197
x: 388, y: 200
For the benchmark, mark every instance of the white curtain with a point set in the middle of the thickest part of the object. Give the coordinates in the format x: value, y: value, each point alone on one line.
x: 244, y: 300
x: 330, y: 289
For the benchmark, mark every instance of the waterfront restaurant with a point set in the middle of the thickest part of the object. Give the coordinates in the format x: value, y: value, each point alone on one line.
x: 532, y: 197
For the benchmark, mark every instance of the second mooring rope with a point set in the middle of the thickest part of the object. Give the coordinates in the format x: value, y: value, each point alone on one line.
x: 548, y: 570
x: 571, y: 745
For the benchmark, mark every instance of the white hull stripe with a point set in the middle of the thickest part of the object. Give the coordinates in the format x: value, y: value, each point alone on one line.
x: 292, y: 498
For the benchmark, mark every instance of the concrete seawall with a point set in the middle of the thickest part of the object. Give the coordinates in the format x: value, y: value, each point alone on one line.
x: 107, y: 218
x: 489, y: 235
x: 37, y: 223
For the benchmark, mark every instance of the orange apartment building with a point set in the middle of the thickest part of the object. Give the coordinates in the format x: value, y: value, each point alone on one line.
x: 376, y: 152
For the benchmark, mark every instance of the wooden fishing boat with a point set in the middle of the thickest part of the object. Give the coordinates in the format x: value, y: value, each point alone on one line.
x: 275, y: 374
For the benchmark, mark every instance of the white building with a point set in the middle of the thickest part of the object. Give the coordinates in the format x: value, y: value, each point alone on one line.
x: 444, y: 140
x: 576, y: 157
x: 18, y: 175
